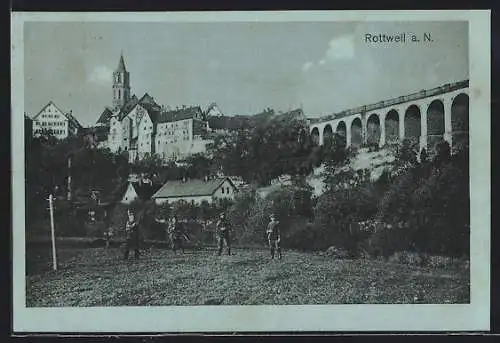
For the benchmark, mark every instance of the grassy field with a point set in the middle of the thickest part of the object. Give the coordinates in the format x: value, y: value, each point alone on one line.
x: 100, y: 277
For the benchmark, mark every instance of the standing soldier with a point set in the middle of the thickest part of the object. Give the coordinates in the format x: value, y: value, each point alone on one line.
x: 108, y: 235
x: 223, y: 233
x: 132, y: 235
x: 176, y: 234
x: 274, y: 236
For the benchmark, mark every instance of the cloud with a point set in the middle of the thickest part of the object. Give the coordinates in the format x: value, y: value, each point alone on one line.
x: 339, y: 48
x: 307, y: 66
x: 101, y: 75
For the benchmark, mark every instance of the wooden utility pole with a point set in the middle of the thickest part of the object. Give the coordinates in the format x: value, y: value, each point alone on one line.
x: 53, y: 235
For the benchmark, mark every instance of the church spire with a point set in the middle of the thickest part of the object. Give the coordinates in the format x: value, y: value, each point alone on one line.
x: 121, y: 84
x: 121, y: 64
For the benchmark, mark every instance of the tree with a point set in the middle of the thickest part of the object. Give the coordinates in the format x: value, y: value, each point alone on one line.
x: 424, y: 158
x: 274, y: 145
x: 443, y: 153
x: 47, y: 172
x: 407, y: 153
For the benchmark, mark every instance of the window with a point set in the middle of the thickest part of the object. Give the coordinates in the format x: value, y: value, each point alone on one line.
x: 227, y: 190
x: 222, y: 190
x: 119, y: 94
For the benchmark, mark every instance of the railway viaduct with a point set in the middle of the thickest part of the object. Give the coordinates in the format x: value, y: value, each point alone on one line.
x: 425, y: 117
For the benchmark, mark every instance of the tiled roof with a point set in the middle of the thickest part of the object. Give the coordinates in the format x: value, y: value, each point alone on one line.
x: 144, y: 190
x: 129, y: 106
x: 151, y: 106
x: 146, y: 101
x: 73, y: 120
x: 105, y: 116
x: 68, y: 115
x: 189, y: 188
x: 180, y: 114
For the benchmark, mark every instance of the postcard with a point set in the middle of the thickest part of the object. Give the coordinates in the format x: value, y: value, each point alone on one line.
x: 322, y: 171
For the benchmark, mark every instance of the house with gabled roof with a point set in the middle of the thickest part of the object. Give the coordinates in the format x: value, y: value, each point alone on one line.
x: 196, y: 191
x: 138, y: 190
x: 51, y: 120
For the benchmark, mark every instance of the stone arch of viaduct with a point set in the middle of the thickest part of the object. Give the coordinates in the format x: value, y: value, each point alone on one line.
x: 425, y: 118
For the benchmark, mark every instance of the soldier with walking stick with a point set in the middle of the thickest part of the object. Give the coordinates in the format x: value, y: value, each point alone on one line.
x: 223, y: 231
x: 131, y: 235
x: 176, y: 234
x: 274, y: 236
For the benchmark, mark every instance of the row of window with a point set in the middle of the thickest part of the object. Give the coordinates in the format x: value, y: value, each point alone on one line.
x: 51, y: 123
x: 173, y: 133
x: 49, y: 115
x: 227, y: 190
x: 175, y: 140
x: 175, y: 125
x: 51, y: 131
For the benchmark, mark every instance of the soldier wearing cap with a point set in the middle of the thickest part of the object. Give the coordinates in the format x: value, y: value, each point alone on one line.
x: 131, y: 235
x: 274, y: 236
x: 223, y: 232
x: 176, y: 234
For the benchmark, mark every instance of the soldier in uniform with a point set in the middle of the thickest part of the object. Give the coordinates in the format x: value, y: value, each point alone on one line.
x: 274, y: 236
x: 131, y: 235
x: 176, y: 234
x: 223, y: 233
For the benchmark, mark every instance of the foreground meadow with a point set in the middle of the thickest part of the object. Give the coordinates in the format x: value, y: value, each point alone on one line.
x: 100, y: 277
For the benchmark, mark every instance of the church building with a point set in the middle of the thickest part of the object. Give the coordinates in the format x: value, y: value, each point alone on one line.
x: 142, y: 127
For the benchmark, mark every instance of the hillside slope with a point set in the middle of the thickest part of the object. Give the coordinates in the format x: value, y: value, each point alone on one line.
x: 376, y: 162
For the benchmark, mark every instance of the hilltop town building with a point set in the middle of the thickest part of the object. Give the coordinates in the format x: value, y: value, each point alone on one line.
x: 51, y: 120
x: 143, y: 128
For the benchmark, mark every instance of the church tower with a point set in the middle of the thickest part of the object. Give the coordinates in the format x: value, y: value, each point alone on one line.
x: 121, y: 85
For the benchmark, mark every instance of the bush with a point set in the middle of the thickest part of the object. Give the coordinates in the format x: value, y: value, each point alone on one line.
x: 337, y: 212
x: 388, y: 240
x: 301, y: 235
x: 408, y: 258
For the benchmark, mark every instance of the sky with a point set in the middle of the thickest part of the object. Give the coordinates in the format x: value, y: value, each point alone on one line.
x: 244, y: 67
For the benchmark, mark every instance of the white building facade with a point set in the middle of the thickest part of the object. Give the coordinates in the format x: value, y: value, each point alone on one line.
x: 51, y: 120
x: 196, y: 191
